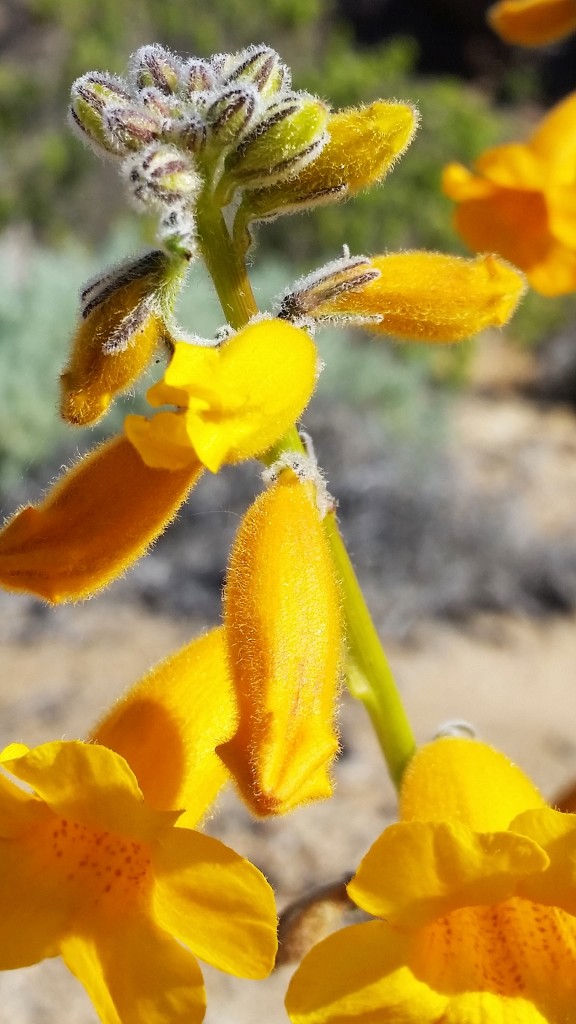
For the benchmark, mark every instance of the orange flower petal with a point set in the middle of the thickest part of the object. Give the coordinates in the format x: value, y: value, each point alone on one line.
x: 168, y: 725
x: 98, y: 519
x: 554, y: 142
x: 514, y: 166
x: 283, y: 625
x: 215, y: 902
x: 533, y: 22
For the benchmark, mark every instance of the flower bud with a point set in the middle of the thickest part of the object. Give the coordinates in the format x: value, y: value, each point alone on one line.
x: 123, y: 322
x: 289, y: 136
x: 363, y: 144
x: 284, y: 633
x: 129, y: 128
x: 232, y: 114
x: 161, y: 175
x: 91, y: 96
x: 197, y: 76
x: 153, y: 65
x: 261, y: 66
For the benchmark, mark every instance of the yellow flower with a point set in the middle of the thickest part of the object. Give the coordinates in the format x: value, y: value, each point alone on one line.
x: 234, y: 401
x: 427, y: 296
x: 521, y: 202
x: 284, y: 634
x: 105, y: 511
x: 476, y: 890
x: 533, y: 22
x: 92, y: 867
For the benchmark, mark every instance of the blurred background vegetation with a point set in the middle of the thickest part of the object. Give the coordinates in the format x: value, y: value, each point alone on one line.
x: 63, y: 214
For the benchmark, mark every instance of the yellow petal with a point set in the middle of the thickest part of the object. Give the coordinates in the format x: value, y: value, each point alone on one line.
x: 427, y: 296
x: 459, y: 183
x: 554, y: 141
x: 98, y: 519
x: 241, y: 397
x: 215, y: 902
x: 465, y: 781
x: 168, y: 725
x: 419, y: 871
x: 556, y: 834
x: 561, y: 200
x: 514, y: 224
x: 360, y: 975
x: 19, y: 812
x: 533, y: 22
x: 283, y: 624
x: 134, y: 972
x: 363, y: 145
x: 513, y: 166
x: 90, y: 785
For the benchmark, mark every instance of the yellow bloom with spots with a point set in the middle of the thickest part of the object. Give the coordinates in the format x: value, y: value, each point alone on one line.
x: 284, y: 637
x: 520, y: 201
x: 476, y: 891
x: 92, y: 867
x: 533, y: 22
x: 428, y: 296
x: 233, y: 401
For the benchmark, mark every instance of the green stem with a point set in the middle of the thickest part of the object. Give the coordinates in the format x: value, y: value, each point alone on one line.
x: 225, y: 266
x: 369, y: 676
x: 368, y: 673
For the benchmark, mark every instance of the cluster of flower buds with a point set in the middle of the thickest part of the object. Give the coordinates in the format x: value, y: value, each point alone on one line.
x: 182, y: 126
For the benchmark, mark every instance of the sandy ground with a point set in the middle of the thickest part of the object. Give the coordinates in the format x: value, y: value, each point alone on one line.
x: 512, y: 677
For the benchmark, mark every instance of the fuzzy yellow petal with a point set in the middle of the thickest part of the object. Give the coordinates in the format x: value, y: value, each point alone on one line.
x: 427, y: 296
x: 215, y: 902
x: 465, y: 781
x: 556, y: 834
x: 533, y: 22
x: 240, y: 398
x: 360, y: 974
x: 88, y: 784
x: 97, y: 520
x: 168, y: 725
x: 283, y: 625
x: 134, y: 972
x: 418, y: 871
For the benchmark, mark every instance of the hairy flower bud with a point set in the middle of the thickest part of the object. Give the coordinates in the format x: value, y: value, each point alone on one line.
x: 91, y: 96
x: 232, y: 114
x: 161, y: 175
x: 290, y: 135
x: 130, y: 128
x: 197, y: 76
x: 326, y: 284
x: 261, y: 66
x: 284, y: 633
x: 153, y: 65
x: 123, y: 321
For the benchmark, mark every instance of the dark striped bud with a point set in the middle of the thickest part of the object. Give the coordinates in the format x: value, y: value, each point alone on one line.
x: 155, y: 66
x: 130, y: 128
x: 262, y: 67
x: 232, y: 114
x: 305, y: 298
x: 91, y: 96
x: 161, y: 175
x: 198, y: 76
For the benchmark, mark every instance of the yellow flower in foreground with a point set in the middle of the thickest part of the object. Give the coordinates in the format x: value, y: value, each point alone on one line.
x: 92, y: 867
x: 520, y: 201
x: 476, y: 888
x: 105, y: 511
x: 533, y: 22
x: 284, y: 634
x: 427, y: 296
x: 235, y: 401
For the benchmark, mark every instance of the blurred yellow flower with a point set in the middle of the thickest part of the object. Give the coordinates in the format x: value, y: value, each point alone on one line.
x: 520, y: 201
x: 284, y: 635
x: 91, y: 871
x: 235, y: 400
x: 533, y: 22
x: 476, y: 889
